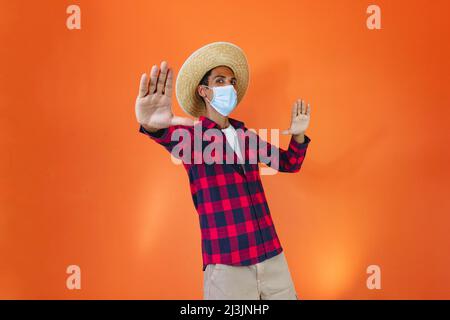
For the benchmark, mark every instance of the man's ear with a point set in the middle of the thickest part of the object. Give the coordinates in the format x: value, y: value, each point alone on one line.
x: 203, y: 91
x: 200, y: 91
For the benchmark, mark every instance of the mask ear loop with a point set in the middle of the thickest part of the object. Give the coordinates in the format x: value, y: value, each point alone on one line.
x: 209, y: 101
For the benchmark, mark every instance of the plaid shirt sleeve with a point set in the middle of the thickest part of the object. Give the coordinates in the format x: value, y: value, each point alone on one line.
x: 164, y: 137
x: 289, y: 160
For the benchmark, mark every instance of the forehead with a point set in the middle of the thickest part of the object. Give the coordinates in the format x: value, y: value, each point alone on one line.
x: 223, y: 71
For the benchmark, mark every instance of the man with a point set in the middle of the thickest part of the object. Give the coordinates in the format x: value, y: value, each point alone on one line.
x: 242, y: 255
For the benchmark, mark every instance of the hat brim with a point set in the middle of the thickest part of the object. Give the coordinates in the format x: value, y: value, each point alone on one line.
x: 199, y: 63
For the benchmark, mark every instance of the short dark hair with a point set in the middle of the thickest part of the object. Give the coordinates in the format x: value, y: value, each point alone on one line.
x: 205, y: 80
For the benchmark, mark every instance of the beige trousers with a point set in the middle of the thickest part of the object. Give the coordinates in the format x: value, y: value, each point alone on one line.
x: 267, y: 280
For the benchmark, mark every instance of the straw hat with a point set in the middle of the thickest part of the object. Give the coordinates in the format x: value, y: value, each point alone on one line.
x: 199, y: 63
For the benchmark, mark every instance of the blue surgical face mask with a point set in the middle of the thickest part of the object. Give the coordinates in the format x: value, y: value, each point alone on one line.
x: 224, y: 99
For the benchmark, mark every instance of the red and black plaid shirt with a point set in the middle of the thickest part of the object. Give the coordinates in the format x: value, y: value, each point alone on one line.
x: 235, y: 221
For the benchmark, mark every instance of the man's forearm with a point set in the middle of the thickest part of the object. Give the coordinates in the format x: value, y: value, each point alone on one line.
x: 300, y: 138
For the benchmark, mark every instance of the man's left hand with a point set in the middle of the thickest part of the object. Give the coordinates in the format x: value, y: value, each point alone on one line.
x: 301, y: 114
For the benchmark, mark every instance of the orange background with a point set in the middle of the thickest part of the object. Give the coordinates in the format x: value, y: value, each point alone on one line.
x: 80, y: 185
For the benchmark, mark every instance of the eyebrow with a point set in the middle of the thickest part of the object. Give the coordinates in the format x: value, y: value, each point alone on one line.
x: 220, y: 76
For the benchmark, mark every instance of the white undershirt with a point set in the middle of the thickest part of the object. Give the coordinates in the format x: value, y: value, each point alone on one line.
x: 232, y: 138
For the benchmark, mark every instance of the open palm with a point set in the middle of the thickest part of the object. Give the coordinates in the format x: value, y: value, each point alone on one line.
x: 301, y: 114
x: 154, y: 101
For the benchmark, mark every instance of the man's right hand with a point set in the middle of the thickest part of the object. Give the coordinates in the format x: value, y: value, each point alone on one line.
x: 154, y: 101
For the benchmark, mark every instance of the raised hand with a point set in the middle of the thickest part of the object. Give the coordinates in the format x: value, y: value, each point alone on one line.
x: 301, y: 114
x: 154, y: 101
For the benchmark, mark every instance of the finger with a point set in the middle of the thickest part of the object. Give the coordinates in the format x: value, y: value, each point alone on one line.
x: 162, y: 77
x: 288, y: 131
x: 153, y: 79
x: 169, y: 83
x: 302, y: 108
x: 294, y: 109
x: 143, y: 86
x: 182, y: 121
x: 308, y: 111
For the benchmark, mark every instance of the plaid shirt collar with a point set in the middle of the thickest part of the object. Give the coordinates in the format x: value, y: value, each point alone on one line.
x: 209, y: 123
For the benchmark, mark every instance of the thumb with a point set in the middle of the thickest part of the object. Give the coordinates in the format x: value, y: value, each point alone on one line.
x: 288, y: 131
x: 182, y: 121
